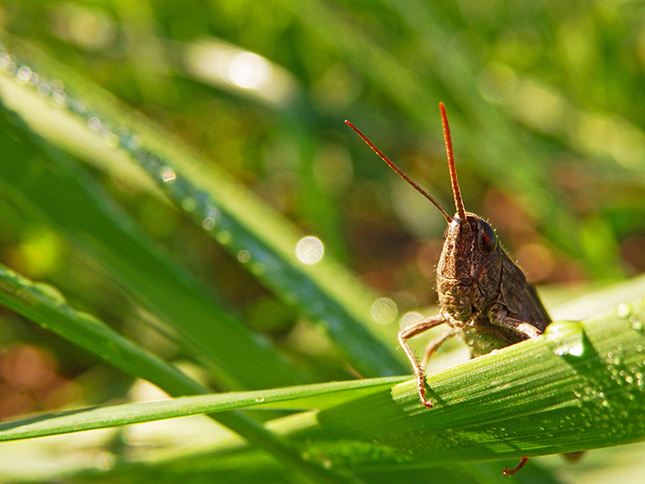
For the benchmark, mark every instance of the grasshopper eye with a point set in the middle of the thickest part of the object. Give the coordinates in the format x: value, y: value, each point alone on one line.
x: 486, y: 238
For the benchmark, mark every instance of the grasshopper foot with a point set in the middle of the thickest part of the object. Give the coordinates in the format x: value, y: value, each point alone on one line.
x: 421, y: 386
x: 510, y: 472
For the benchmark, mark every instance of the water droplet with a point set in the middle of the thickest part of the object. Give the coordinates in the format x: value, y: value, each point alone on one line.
x: 167, y: 174
x: 624, y: 311
x: 57, y: 85
x: 188, y: 204
x: 259, y: 400
x: 384, y: 310
x: 568, y: 336
x: 208, y: 223
x: 4, y: 59
x: 244, y: 256
x: 59, y: 98
x: 33, y: 80
x: 310, y: 250
x: 637, y: 325
x: 94, y: 123
x: 43, y: 89
x: 24, y: 73
x: 224, y: 237
x: 50, y: 291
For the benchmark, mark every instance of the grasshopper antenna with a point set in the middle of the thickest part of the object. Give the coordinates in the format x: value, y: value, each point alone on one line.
x: 459, y: 203
x: 403, y: 175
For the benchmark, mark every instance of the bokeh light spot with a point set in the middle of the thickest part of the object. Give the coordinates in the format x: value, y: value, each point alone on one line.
x: 310, y: 250
x: 384, y: 310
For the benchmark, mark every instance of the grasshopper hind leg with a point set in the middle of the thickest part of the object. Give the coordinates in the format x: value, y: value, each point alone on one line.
x: 413, y: 330
x: 435, y: 344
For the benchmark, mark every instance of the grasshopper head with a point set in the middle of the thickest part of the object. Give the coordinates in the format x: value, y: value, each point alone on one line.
x: 469, y: 269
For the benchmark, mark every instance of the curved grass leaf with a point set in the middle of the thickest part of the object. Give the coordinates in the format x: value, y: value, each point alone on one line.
x: 228, y: 212
x: 580, y: 386
x: 46, y: 183
x: 45, y: 306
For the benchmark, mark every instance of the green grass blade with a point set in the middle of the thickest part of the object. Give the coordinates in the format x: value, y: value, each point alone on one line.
x: 578, y: 387
x: 44, y: 305
x: 305, y: 396
x: 64, y: 195
x: 232, y: 215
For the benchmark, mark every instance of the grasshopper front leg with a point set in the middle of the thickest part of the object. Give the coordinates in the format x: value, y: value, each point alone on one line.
x: 499, y: 316
x: 413, y: 330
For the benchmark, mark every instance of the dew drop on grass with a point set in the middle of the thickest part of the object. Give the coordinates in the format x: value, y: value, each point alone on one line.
x: 224, y: 237
x: 94, y: 123
x: 208, y: 223
x: 624, y: 311
x: 51, y: 292
x: 167, y: 174
x: 43, y: 89
x: 24, y: 73
x: 188, y: 204
x: 568, y: 337
x: 310, y: 250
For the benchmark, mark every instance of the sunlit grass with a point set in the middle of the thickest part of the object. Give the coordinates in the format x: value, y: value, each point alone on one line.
x: 180, y: 178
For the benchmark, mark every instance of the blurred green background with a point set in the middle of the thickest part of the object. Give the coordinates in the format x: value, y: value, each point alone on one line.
x: 547, y: 111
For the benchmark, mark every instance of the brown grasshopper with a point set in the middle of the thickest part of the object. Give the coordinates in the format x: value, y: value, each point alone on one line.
x: 483, y: 295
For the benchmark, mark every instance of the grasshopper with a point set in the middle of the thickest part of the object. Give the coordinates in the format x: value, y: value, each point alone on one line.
x: 483, y: 295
